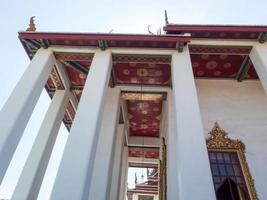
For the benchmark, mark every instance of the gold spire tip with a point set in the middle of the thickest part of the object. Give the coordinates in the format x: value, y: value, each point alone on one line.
x: 31, y: 25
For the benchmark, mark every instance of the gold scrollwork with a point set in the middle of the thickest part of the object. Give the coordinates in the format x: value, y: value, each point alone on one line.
x: 219, y: 141
x: 56, y: 79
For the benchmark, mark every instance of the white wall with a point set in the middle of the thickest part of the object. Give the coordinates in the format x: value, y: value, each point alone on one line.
x: 241, y: 110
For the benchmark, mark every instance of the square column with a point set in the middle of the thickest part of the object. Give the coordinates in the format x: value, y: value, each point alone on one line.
x: 101, y: 176
x: 117, y: 158
x: 172, y: 149
x: 16, y: 112
x: 124, y: 174
x: 30, y: 181
x: 193, y: 168
x: 75, y: 171
x: 258, y: 56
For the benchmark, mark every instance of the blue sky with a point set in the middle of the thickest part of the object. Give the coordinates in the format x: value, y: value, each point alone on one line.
x: 122, y: 16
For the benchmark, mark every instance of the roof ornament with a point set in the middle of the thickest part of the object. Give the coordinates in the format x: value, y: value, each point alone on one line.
x: 135, y: 181
x: 149, y: 31
x: 166, y: 18
x: 31, y: 25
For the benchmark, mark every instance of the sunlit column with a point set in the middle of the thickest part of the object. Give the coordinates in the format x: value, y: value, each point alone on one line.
x: 30, y: 181
x: 100, y: 187
x: 258, y: 56
x: 124, y: 174
x: 75, y: 171
x: 115, y: 178
x: 193, y: 170
x: 16, y: 112
x: 172, y: 149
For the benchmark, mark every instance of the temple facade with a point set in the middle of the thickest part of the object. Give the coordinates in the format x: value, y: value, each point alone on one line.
x: 190, y: 105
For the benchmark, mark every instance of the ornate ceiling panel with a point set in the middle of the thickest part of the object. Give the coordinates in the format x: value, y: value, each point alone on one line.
x: 219, y: 66
x: 144, y: 117
x: 146, y: 70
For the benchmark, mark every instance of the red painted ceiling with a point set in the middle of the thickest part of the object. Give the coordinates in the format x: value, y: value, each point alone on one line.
x: 77, y: 78
x: 146, y: 70
x: 219, y: 66
x: 219, y: 61
x: 144, y: 115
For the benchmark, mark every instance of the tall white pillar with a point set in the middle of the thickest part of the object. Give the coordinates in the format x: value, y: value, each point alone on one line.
x: 258, y: 56
x: 117, y: 167
x: 33, y: 172
x: 194, y: 174
x: 75, y: 171
x: 124, y: 174
x: 16, y: 112
x: 100, y: 187
x: 172, y: 149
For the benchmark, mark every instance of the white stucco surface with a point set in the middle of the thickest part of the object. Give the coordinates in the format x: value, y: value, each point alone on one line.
x: 241, y: 110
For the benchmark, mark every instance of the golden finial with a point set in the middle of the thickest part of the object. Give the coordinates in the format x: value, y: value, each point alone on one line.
x: 31, y: 25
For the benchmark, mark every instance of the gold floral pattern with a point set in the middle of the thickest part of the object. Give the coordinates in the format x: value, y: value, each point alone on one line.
x: 211, y: 65
x: 142, y: 72
x: 200, y: 73
x: 227, y: 65
x: 126, y: 72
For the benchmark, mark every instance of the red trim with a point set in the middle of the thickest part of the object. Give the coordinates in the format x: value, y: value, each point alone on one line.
x: 103, y: 36
x: 202, y: 28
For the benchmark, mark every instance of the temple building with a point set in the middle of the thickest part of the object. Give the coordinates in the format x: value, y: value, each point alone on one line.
x: 189, y: 105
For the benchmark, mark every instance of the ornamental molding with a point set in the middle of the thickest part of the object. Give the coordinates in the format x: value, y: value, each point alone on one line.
x: 56, y: 79
x: 219, y: 141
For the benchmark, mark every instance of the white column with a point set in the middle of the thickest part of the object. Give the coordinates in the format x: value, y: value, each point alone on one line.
x: 258, y: 56
x: 16, y: 112
x: 115, y: 179
x: 124, y: 174
x: 172, y: 149
x: 33, y: 172
x: 75, y: 171
x: 100, y: 187
x: 194, y: 174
